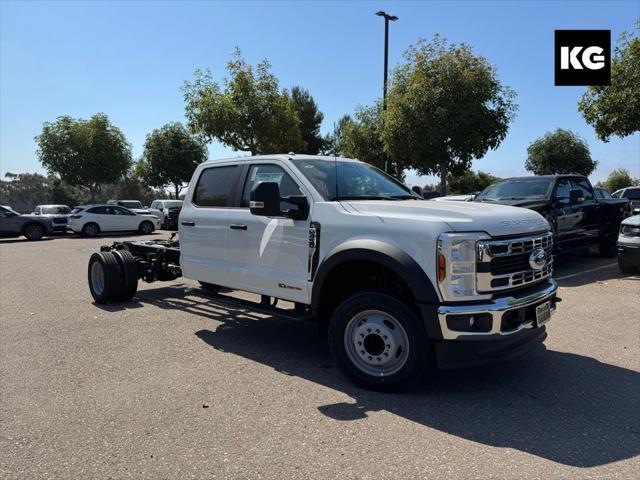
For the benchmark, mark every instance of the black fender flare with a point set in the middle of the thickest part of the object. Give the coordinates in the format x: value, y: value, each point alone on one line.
x: 383, y: 253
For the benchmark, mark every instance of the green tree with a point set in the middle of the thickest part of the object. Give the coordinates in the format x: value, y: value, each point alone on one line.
x: 446, y: 107
x: 84, y: 153
x: 331, y: 141
x: 171, y: 154
x: 619, y: 178
x: 469, y: 182
x: 560, y: 152
x: 249, y: 113
x: 615, y: 109
x: 23, y: 191
x: 360, y: 136
x: 310, y: 119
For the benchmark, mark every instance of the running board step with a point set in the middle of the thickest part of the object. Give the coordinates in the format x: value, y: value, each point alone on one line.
x: 297, y: 314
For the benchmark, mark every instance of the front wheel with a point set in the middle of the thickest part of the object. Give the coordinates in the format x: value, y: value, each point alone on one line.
x: 146, y: 228
x: 608, y: 246
x: 378, y: 342
x: 34, y: 232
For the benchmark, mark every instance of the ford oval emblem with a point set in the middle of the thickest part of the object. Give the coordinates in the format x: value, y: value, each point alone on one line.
x: 538, y: 259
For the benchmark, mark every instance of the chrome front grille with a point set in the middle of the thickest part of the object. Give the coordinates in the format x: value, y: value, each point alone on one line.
x: 506, y: 264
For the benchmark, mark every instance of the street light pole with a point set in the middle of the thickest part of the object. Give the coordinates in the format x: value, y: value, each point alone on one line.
x: 393, y: 18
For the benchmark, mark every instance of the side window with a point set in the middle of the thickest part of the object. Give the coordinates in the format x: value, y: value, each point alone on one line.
x: 98, y: 210
x: 269, y: 173
x: 632, y: 193
x: 3, y: 213
x: 154, y: 205
x: 121, y: 211
x: 561, y: 192
x: 583, y: 185
x: 213, y: 187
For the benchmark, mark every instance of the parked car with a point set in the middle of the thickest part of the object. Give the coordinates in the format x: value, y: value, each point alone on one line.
x: 632, y: 194
x: 33, y: 227
x: 133, y: 205
x: 167, y: 212
x: 90, y: 220
x: 394, y: 280
x: 629, y: 244
x: 577, y: 216
x: 58, y: 214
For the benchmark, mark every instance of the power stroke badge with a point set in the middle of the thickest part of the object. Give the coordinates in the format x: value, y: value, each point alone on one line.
x: 582, y: 57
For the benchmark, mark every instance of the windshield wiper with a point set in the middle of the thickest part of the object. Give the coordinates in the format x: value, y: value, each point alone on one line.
x: 487, y: 200
x: 362, y: 197
x: 403, y: 197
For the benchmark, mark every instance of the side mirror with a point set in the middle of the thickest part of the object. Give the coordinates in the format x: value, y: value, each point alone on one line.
x: 265, y: 199
x: 575, y: 196
x: 300, y: 201
x: 418, y: 189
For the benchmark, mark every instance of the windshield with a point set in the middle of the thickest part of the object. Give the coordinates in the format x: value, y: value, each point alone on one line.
x: 516, y: 189
x: 356, y: 181
x: 57, y: 210
x: 175, y: 203
x: 130, y: 204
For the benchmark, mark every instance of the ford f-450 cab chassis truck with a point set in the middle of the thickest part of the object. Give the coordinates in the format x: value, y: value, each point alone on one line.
x: 393, y: 280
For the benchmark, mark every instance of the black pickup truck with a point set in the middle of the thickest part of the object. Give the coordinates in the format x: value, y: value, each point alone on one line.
x: 577, y: 216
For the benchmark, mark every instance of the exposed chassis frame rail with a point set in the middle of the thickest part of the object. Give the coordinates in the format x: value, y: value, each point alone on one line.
x: 156, y: 260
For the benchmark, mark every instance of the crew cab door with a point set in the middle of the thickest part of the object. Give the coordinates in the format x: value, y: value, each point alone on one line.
x: 589, y: 206
x: 268, y: 255
x: 204, y: 224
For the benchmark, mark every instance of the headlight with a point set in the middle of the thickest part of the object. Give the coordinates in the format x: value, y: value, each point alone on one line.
x: 630, y: 231
x: 457, y: 265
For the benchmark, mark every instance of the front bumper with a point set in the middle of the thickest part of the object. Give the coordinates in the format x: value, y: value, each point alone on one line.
x: 502, y: 328
x: 629, y: 253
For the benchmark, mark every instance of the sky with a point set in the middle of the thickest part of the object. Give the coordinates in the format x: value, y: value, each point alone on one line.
x: 129, y: 60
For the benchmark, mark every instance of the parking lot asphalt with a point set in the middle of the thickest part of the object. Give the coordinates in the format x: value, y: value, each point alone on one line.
x: 173, y: 385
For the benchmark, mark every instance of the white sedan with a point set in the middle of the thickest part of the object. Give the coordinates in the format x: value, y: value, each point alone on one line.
x: 90, y: 220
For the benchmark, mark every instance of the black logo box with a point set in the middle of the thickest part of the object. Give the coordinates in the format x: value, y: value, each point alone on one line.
x: 582, y: 38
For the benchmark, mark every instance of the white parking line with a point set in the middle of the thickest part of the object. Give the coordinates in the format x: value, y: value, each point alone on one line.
x: 587, y: 271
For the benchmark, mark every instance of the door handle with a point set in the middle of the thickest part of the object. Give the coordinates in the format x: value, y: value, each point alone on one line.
x: 188, y: 223
x: 237, y: 227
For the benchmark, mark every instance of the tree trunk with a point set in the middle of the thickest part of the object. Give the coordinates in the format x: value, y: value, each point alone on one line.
x: 443, y: 177
x: 177, y: 187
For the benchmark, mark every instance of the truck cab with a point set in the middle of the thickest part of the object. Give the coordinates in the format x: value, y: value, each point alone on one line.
x: 394, y: 281
x: 577, y: 215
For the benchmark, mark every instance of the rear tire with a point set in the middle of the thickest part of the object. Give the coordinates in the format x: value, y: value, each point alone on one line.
x: 129, y: 269
x: 105, y: 277
x: 146, y: 228
x: 34, y: 231
x: 378, y: 341
x: 90, y: 230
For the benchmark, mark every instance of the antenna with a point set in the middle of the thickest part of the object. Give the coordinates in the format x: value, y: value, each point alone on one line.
x: 335, y: 158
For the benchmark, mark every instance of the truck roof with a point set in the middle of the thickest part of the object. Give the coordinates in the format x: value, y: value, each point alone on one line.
x: 281, y: 156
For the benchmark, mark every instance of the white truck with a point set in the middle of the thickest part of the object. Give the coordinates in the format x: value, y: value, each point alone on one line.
x: 396, y: 282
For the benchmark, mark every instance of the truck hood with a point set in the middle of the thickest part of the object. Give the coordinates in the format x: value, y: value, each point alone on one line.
x: 496, y: 220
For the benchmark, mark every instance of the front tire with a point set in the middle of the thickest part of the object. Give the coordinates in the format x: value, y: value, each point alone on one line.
x: 105, y: 277
x: 378, y: 341
x: 608, y: 246
x: 90, y: 230
x: 146, y: 228
x: 34, y: 232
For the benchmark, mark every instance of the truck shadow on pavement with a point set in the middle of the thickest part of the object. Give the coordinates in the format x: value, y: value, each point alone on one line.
x: 568, y: 408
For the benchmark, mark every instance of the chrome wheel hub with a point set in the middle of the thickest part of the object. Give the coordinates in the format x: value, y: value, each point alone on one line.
x: 376, y: 343
x: 97, y: 278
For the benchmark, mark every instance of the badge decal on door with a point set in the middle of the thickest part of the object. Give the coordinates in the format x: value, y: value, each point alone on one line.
x: 288, y: 287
